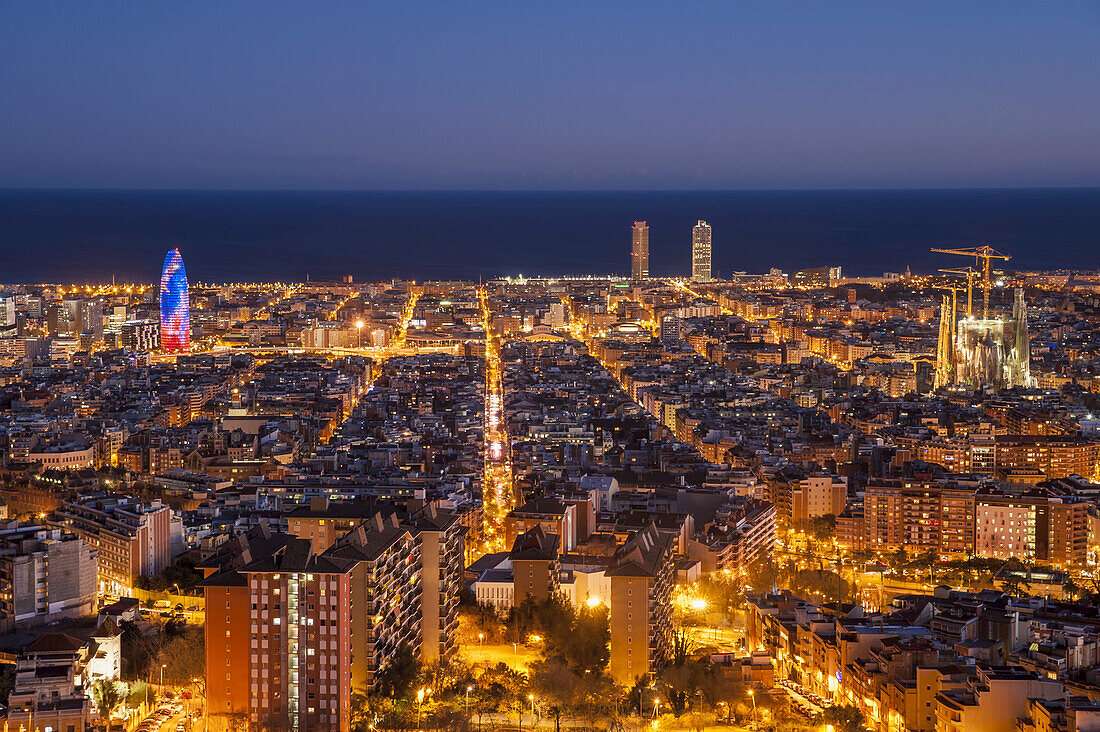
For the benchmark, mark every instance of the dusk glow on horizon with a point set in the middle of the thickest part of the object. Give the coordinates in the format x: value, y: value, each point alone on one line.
x: 693, y: 95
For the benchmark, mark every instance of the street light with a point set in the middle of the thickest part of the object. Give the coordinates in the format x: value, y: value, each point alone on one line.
x: 752, y: 696
x: 359, y: 330
x: 162, y: 667
x: 468, y: 690
x: 420, y: 704
x: 532, y: 698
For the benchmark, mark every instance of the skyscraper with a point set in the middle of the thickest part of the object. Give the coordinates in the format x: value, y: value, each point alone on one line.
x: 175, y: 305
x: 700, y: 252
x: 639, y: 253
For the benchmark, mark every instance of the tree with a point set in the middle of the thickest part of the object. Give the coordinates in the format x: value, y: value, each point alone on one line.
x: 846, y: 718
x: 822, y: 528
x: 7, y: 682
x: 498, y: 689
x: 679, y: 684
x: 555, y: 684
x: 763, y: 573
x: 182, y: 574
x: 395, y: 679
x: 716, y: 686
x: 681, y: 647
x: 1015, y: 585
x: 234, y: 721
x: 108, y: 695
x: 183, y: 655
x: 597, y: 698
x: 829, y: 585
x: 586, y: 646
x: 443, y: 677
x: 635, y: 698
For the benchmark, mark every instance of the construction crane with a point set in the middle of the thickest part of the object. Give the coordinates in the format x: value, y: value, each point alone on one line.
x: 970, y: 273
x: 982, y: 256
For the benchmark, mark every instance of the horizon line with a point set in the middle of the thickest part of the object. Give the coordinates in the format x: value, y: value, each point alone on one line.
x: 244, y: 189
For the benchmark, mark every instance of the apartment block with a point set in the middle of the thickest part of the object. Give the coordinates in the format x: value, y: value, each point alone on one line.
x: 816, y: 496
x: 440, y: 541
x: 132, y: 538
x: 642, y: 573
x: 386, y: 590
x: 279, y: 624
x: 45, y: 574
x: 534, y: 559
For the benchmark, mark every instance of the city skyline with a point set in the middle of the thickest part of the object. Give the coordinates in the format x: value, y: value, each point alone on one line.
x: 335, y: 397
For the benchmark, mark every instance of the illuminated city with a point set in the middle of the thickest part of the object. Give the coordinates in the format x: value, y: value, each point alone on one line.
x: 699, y: 367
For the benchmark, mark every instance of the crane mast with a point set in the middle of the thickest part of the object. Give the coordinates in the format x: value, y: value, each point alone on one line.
x: 983, y: 256
x: 970, y: 273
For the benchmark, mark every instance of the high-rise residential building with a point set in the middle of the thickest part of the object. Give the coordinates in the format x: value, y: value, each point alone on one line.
x: 700, y: 252
x: 639, y: 252
x: 386, y: 594
x: 60, y: 320
x: 1044, y: 524
x: 45, y: 574
x: 287, y: 613
x: 140, y: 335
x: 816, y: 496
x: 642, y: 572
x: 442, y: 547
x: 91, y: 318
x: 439, y: 537
x: 670, y: 329
x: 7, y: 312
x: 313, y: 626
x: 133, y: 538
x: 175, y: 305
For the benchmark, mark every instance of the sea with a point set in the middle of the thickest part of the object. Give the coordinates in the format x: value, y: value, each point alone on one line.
x: 73, y: 236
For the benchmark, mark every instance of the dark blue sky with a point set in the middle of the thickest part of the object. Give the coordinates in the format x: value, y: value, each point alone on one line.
x: 464, y: 94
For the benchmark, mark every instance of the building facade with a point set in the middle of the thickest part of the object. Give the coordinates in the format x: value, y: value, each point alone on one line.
x: 642, y: 573
x: 132, y: 538
x: 639, y: 252
x: 700, y: 252
x: 175, y: 305
x: 45, y: 574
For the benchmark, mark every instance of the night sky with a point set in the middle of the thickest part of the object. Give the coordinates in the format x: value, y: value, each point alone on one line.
x: 535, y: 95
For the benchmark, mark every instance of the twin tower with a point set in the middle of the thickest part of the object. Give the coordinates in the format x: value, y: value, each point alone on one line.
x: 700, y: 252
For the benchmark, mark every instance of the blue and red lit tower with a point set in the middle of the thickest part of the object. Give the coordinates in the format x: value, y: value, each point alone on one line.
x: 175, y: 305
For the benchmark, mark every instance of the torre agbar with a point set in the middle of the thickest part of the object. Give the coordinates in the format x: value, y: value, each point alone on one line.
x: 175, y: 308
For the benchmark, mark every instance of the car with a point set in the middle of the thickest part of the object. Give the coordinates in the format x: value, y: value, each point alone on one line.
x: 192, y: 608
